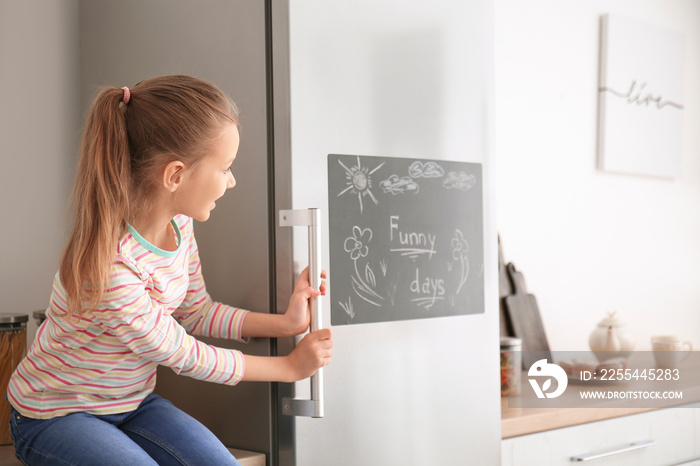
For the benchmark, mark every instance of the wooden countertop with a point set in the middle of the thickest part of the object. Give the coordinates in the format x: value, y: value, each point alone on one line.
x: 523, y: 421
x: 516, y: 421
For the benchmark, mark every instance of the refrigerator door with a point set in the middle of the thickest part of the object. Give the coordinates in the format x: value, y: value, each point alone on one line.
x: 401, y: 79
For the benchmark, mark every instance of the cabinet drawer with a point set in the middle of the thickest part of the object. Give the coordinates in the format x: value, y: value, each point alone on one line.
x: 674, y: 432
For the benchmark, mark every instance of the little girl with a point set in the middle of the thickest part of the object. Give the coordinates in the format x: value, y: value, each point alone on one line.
x: 129, y: 289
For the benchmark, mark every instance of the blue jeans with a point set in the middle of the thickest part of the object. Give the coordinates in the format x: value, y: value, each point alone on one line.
x: 156, y: 433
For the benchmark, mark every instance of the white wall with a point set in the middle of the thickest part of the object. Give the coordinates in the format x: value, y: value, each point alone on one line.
x: 39, y: 128
x: 588, y: 241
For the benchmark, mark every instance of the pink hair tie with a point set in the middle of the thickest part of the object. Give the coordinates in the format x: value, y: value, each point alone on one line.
x: 127, y: 95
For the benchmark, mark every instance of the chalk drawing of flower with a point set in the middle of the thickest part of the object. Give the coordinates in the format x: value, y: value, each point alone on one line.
x: 460, y: 250
x: 460, y: 247
x: 356, y: 244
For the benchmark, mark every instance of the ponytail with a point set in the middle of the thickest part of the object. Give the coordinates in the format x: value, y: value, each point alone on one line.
x: 100, y: 203
x: 129, y: 136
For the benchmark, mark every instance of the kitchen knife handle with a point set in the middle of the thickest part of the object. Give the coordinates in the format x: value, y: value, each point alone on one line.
x: 311, y: 219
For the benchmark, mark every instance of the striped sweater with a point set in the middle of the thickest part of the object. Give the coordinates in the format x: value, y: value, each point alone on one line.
x: 105, y: 361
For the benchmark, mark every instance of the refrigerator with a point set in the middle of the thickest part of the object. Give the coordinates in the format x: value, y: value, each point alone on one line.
x: 382, y: 78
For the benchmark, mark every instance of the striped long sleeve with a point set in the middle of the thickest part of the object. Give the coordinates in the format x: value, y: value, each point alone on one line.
x: 105, y: 361
x: 199, y: 314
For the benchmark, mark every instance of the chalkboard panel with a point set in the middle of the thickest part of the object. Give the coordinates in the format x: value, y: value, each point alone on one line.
x: 406, y: 239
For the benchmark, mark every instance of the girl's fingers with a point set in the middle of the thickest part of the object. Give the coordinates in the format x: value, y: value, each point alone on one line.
x: 323, y: 334
x: 305, y: 280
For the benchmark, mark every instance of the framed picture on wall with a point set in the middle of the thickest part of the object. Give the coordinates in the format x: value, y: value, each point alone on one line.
x: 640, y: 98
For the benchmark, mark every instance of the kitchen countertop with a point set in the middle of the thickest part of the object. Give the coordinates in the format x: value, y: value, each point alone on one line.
x: 516, y: 421
x: 522, y: 421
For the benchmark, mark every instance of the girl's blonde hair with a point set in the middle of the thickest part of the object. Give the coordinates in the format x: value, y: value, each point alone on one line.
x: 123, y: 149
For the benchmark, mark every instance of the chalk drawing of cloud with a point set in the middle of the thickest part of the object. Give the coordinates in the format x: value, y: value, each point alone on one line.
x: 459, y: 180
x: 396, y: 185
x: 425, y: 170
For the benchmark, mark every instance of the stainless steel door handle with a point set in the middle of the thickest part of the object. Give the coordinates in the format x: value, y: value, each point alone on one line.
x: 631, y: 447
x: 311, y: 219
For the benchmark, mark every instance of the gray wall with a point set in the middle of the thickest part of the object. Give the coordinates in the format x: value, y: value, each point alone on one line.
x: 39, y: 128
x: 54, y: 55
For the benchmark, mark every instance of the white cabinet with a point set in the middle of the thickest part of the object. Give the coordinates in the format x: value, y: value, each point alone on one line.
x: 675, y: 434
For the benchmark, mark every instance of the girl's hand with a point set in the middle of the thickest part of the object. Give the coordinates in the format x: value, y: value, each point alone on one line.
x: 298, y: 317
x: 313, y: 352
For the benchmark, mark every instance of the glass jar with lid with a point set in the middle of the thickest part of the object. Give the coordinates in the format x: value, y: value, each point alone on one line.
x: 511, y: 365
x: 13, y: 345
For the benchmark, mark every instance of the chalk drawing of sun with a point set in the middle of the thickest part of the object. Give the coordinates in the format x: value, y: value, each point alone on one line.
x: 359, y: 181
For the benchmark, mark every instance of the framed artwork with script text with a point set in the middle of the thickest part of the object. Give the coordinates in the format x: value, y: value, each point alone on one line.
x: 640, y: 98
